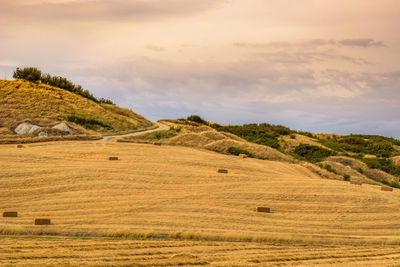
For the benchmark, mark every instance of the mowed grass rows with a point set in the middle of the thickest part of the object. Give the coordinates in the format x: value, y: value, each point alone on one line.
x: 55, y: 251
x: 168, y: 191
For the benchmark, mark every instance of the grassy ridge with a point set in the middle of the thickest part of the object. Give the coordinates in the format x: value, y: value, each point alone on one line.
x: 46, y: 105
x: 316, y: 148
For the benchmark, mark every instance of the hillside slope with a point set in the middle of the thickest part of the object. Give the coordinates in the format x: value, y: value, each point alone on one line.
x: 46, y: 105
x: 192, y: 134
x: 176, y: 192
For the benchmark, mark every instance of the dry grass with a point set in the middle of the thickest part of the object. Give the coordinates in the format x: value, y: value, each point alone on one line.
x: 396, y: 160
x: 168, y: 189
x: 16, y: 139
x: 175, y: 195
x: 40, y: 251
x: 46, y: 105
x: 352, y: 167
x: 200, y: 136
x: 289, y: 144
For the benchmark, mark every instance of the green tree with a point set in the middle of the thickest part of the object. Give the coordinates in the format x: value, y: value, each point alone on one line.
x: 28, y: 74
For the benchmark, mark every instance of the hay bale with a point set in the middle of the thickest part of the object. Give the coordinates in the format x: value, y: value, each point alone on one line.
x: 386, y: 188
x: 263, y: 209
x: 42, y: 221
x: 222, y: 171
x: 356, y: 182
x: 20, y: 146
x: 242, y: 156
x: 113, y: 158
x: 10, y: 214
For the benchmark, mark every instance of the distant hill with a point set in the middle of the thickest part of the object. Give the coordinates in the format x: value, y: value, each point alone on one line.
x: 369, y: 159
x: 46, y: 106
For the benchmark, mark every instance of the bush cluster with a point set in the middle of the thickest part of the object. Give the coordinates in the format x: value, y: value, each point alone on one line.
x: 196, y: 118
x: 237, y: 151
x: 263, y: 133
x: 363, y: 144
x: 383, y: 164
x: 34, y: 75
x: 313, y: 153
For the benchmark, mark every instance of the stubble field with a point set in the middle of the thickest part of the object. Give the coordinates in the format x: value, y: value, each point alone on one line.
x: 167, y: 205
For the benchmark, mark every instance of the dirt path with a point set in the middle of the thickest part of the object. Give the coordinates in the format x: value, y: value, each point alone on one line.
x: 113, y: 138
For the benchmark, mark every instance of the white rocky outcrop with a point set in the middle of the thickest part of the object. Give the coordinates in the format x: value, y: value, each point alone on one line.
x: 42, y: 133
x: 63, y: 127
x: 26, y: 128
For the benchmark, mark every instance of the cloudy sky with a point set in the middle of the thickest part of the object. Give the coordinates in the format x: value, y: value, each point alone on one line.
x: 316, y: 65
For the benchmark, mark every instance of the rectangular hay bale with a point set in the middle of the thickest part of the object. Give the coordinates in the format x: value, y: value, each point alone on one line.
x: 386, y: 188
x: 42, y: 221
x: 222, y: 171
x: 20, y: 146
x: 10, y: 214
x: 113, y: 158
x: 263, y: 209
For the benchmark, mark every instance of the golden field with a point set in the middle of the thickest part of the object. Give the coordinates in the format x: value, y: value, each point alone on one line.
x: 55, y: 251
x: 166, y: 205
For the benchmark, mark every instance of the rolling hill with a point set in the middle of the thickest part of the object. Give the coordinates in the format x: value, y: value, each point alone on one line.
x: 46, y: 106
x: 154, y: 198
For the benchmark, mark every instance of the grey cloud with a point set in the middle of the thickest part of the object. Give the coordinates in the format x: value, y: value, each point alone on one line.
x: 250, y: 91
x: 307, y: 57
x: 101, y: 10
x: 360, y: 42
x: 155, y: 48
x: 321, y: 101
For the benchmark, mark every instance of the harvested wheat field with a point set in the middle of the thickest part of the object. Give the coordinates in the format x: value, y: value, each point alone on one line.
x: 52, y: 251
x: 167, y: 205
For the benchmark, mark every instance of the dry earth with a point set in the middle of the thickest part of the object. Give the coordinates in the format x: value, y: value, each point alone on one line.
x: 173, y: 198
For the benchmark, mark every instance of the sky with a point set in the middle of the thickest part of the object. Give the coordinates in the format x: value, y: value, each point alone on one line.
x: 314, y: 65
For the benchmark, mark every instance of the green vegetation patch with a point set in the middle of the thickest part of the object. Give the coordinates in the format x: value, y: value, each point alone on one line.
x: 313, y: 153
x: 379, y: 146
x: 153, y: 136
x: 89, y: 121
x: 196, y: 118
x: 34, y: 75
x: 383, y: 164
x: 237, y: 151
x: 164, y: 134
x: 263, y: 133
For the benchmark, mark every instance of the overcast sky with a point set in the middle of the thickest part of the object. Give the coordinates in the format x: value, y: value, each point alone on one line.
x: 315, y: 65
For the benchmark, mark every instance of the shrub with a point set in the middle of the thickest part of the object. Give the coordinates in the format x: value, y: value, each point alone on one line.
x: 89, y: 123
x: 236, y: 151
x: 28, y: 74
x: 329, y: 168
x: 263, y: 133
x: 165, y: 134
x: 35, y: 75
x: 313, y: 153
x: 196, y: 118
x: 379, y: 146
x: 308, y: 134
x: 346, y: 177
x: 383, y: 164
x: 105, y: 101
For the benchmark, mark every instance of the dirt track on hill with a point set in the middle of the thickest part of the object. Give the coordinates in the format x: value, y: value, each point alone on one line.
x: 113, y: 138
